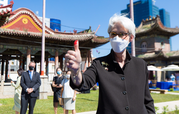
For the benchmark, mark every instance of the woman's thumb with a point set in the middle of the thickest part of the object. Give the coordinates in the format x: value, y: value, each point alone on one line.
x: 76, y: 45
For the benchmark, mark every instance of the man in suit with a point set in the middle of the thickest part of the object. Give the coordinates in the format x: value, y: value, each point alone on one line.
x: 30, y: 83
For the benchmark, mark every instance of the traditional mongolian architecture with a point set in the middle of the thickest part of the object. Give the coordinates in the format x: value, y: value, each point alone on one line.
x: 152, y: 45
x: 21, y: 35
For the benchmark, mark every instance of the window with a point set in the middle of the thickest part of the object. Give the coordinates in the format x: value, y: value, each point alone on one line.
x: 144, y: 46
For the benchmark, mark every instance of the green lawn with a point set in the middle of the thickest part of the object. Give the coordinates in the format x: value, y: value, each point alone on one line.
x: 85, y: 102
x: 174, y: 91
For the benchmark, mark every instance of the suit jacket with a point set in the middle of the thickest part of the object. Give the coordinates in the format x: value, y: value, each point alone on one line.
x: 26, y: 82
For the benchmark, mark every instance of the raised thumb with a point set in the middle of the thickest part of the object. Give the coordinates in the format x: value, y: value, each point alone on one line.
x: 76, y: 45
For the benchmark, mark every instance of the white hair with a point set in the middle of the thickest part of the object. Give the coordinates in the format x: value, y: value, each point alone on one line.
x: 126, y: 22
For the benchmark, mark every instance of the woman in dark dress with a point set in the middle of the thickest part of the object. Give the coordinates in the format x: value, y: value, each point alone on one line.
x: 57, y: 84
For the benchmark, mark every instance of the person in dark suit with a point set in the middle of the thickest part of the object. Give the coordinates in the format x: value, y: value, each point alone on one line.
x: 30, y: 83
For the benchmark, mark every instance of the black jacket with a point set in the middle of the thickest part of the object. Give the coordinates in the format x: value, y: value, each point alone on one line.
x: 121, y: 90
x: 26, y: 82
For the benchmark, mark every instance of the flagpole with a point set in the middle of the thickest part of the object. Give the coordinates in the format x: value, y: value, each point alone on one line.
x: 43, y: 41
x: 132, y: 18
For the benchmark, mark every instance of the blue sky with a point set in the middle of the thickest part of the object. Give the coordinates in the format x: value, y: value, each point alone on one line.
x: 81, y: 14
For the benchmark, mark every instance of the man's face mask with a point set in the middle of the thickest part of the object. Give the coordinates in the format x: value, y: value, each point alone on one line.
x: 31, y: 68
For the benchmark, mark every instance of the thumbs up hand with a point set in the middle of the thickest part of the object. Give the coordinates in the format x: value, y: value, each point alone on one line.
x: 73, y: 58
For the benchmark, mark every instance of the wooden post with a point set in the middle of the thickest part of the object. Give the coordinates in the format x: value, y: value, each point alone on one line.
x: 2, y: 78
x: 21, y: 61
x: 6, y: 70
x: 89, y: 58
x: 2, y: 68
x: 61, y: 61
x: 56, y: 61
x: 47, y: 66
x: 85, y: 62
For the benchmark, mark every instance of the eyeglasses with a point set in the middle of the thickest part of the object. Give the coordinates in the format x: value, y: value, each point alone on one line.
x: 121, y: 35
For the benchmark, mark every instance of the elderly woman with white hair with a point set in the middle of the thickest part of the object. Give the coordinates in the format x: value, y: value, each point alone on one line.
x: 122, y: 78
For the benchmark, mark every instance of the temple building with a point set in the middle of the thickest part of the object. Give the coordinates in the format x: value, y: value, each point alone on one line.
x: 152, y: 45
x: 21, y: 36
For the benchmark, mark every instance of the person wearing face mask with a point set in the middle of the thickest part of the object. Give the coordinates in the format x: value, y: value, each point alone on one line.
x: 122, y: 78
x: 30, y: 83
x: 57, y: 84
x: 18, y: 89
x: 69, y: 95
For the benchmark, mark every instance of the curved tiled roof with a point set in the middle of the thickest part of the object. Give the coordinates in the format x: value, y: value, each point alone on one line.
x: 5, y: 12
x: 31, y: 14
x: 60, y: 37
x: 80, y: 37
x: 91, y: 39
x: 155, y: 26
x: 6, y: 9
x: 157, y: 54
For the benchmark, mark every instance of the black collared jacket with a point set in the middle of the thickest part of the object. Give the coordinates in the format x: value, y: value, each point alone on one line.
x: 121, y: 90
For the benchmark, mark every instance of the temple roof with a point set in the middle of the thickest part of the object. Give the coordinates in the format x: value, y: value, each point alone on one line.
x: 159, y: 54
x: 155, y: 26
x: 25, y: 25
x: 5, y: 12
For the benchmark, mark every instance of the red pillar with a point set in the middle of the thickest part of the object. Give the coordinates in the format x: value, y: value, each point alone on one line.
x: 28, y: 58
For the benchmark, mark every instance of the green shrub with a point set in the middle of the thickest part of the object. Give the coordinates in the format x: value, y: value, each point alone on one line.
x: 156, y: 109
x: 171, y: 89
x: 176, y: 109
x: 165, y: 109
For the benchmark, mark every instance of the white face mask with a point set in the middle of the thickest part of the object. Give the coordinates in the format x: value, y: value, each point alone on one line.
x: 118, y: 44
x: 67, y: 76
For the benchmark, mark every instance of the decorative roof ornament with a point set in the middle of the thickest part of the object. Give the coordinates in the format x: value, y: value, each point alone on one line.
x: 155, y: 26
x: 5, y: 12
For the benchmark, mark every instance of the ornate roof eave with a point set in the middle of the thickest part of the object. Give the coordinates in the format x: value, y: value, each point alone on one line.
x: 157, y: 54
x: 66, y: 37
x: 87, y: 38
x: 172, y: 54
x: 59, y: 37
x: 5, y: 12
x: 6, y: 9
x: 157, y: 28
x: 30, y: 13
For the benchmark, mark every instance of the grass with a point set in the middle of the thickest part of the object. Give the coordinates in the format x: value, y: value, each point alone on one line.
x: 174, y: 91
x: 85, y: 102
x: 164, y: 97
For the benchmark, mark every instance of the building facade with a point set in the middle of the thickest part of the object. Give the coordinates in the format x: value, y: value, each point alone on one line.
x: 20, y: 42
x: 152, y: 45
x: 145, y: 8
